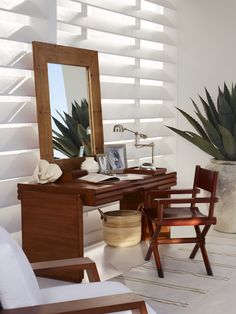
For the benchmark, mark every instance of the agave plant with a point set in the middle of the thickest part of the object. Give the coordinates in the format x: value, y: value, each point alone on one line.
x: 216, y: 129
x: 73, y: 131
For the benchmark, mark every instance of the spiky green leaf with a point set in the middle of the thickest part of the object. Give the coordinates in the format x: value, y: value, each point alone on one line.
x: 67, y: 140
x: 213, y: 134
x: 229, y: 143
x: 74, y: 113
x: 226, y: 93
x: 195, y: 106
x: 83, y: 113
x: 233, y: 101
x: 194, y: 123
x: 208, y: 112
x: 226, y: 116
x: 219, y: 124
x: 200, y: 142
x: 58, y: 147
x: 66, y: 146
x: 66, y: 131
x: 73, y: 130
x: 212, y: 107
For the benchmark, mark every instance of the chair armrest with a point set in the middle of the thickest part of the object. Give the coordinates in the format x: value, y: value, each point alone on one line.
x: 99, y: 305
x: 172, y: 191
x: 206, y: 199
x: 167, y: 201
x: 79, y: 263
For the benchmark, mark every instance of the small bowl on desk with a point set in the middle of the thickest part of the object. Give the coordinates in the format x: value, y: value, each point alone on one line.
x: 147, y: 166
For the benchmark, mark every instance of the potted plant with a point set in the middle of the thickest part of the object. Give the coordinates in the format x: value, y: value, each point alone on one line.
x: 216, y: 135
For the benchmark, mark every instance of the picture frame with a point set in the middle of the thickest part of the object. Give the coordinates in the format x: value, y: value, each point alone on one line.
x: 103, y: 163
x: 116, y: 157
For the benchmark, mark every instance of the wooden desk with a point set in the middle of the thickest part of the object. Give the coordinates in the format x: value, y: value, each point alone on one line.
x: 52, y: 214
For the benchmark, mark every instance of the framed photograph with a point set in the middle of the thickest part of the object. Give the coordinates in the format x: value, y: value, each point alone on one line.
x: 116, y: 157
x: 103, y: 163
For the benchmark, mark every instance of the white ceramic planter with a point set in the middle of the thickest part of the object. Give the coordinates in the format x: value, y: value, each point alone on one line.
x: 225, y: 209
x: 90, y: 165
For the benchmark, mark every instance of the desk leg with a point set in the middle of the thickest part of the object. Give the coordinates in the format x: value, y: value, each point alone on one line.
x: 132, y: 201
x: 52, y: 229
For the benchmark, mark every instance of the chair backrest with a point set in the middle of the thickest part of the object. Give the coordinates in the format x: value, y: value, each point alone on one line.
x: 18, y: 284
x: 205, y: 179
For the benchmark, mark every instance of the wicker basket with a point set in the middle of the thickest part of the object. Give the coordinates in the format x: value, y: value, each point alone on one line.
x: 122, y: 228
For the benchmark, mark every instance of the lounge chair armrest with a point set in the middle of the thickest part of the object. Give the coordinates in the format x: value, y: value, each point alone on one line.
x: 79, y: 263
x: 99, y: 305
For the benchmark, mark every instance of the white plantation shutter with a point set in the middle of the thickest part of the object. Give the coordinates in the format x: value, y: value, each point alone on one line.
x: 136, y: 41
x: 21, y: 22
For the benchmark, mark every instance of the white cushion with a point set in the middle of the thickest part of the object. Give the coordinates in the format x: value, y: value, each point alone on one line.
x: 19, y: 287
x: 18, y: 284
x: 84, y: 291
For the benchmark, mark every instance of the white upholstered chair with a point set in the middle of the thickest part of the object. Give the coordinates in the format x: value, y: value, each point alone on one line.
x: 20, y: 293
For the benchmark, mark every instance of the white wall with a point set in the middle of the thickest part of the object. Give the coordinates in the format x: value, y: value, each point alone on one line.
x: 207, y: 57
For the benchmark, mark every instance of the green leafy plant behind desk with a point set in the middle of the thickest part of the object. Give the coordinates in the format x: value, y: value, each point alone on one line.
x: 74, y: 131
x: 216, y: 129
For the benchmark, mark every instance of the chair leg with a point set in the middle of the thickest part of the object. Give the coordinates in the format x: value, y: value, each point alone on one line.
x: 157, y: 259
x: 201, y: 244
x: 150, y: 227
x: 149, y: 253
x: 154, y: 237
x: 196, y: 247
x: 205, y: 258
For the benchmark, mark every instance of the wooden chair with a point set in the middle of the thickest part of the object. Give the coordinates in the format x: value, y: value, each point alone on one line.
x: 158, y: 213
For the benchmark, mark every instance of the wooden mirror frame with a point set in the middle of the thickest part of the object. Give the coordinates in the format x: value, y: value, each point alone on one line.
x: 44, y: 53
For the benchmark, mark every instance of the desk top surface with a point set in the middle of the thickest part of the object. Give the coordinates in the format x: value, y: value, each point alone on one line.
x: 98, y: 193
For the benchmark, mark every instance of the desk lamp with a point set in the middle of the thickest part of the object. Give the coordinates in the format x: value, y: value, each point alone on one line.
x: 121, y: 128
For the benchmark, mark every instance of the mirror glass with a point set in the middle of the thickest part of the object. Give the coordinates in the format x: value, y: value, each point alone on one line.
x: 68, y: 103
x: 68, y: 86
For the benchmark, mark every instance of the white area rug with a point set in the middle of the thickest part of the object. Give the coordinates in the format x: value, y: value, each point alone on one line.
x: 186, y: 288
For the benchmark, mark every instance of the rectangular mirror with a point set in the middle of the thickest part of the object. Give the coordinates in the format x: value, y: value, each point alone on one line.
x: 68, y: 103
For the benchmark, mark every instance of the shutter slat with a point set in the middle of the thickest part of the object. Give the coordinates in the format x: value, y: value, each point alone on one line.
x: 130, y: 91
x: 8, y: 190
x: 101, y: 25
x: 27, y: 138
x: 10, y: 17
x: 133, y: 52
x: 165, y: 3
x: 132, y: 111
x: 11, y: 218
x: 18, y: 112
x: 129, y: 10
x: 18, y: 164
x: 131, y: 71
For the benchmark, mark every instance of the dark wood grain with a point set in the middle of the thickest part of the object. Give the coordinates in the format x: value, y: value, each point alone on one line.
x: 52, y: 228
x: 52, y: 215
